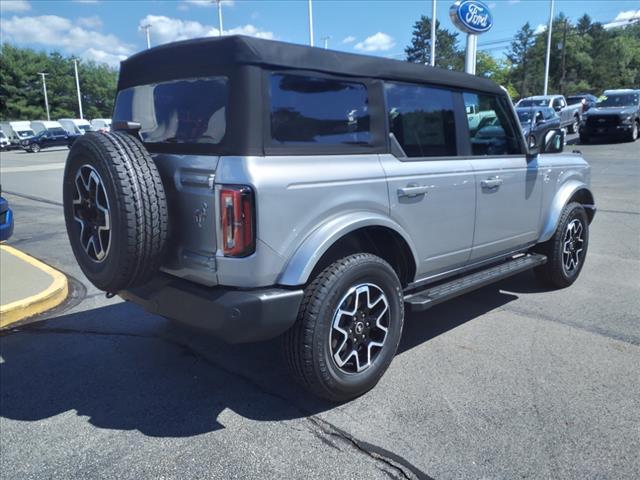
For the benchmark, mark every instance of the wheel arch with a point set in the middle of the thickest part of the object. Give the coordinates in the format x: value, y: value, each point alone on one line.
x: 572, y: 191
x: 357, y: 232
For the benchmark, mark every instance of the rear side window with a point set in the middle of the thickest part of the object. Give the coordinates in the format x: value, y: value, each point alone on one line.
x: 421, y: 119
x: 492, y: 129
x: 315, y: 110
x: 57, y: 131
x: 181, y: 111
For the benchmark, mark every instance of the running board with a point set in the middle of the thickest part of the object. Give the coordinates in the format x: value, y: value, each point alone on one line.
x: 447, y: 290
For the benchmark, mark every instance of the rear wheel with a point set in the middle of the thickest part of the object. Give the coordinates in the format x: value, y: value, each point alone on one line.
x: 35, y: 148
x: 566, y: 251
x: 348, y: 328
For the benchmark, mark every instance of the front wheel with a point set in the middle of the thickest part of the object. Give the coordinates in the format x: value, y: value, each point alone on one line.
x: 348, y: 328
x: 566, y: 251
x: 35, y: 148
x: 573, y: 128
x: 633, y: 135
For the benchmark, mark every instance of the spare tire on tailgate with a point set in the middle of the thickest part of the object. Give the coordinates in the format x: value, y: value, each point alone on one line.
x: 115, y: 210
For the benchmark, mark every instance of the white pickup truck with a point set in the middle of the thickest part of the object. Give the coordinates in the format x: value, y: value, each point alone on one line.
x: 570, y: 115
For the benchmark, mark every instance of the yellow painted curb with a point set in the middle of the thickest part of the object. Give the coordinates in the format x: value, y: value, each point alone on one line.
x: 51, y: 297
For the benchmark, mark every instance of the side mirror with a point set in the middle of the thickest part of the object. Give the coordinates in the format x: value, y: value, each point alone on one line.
x: 553, y: 142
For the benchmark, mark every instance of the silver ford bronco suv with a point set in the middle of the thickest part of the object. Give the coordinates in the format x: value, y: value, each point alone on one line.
x: 254, y: 189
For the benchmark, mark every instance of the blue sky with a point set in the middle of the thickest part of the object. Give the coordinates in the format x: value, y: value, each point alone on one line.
x: 109, y: 30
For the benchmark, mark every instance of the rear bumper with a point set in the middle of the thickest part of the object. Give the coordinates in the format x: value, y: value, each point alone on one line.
x: 234, y: 315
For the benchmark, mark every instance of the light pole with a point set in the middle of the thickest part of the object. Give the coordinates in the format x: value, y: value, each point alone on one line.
x: 146, y: 28
x: 44, y: 87
x: 220, y: 29
x: 432, y: 56
x: 310, y: 23
x: 75, y: 67
x: 546, y: 64
x: 326, y: 41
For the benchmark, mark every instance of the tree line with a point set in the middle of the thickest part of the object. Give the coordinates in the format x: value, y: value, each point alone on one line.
x: 22, y: 96
x: 585, y: 57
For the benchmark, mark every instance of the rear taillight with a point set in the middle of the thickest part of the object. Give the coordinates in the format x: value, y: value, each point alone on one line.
x: 237, y: 222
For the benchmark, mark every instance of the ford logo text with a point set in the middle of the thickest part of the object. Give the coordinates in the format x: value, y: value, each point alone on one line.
x: 471, y: 16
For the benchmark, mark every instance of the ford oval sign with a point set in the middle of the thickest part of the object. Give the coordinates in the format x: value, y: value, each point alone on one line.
x: 471, y: 16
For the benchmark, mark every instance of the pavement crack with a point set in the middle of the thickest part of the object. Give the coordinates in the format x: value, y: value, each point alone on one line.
x: 321, y: 429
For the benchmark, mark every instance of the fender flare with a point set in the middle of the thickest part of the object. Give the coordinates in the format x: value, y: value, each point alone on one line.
x: 308, y: 254
x: 562, y: 197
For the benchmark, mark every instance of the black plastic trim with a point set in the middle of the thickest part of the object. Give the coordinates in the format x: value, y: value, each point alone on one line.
x: 234, y: 315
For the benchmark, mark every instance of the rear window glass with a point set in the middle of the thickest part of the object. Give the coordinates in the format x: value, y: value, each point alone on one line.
x: 313, y: 110
x: 180, y: 111
x: 421, y: 119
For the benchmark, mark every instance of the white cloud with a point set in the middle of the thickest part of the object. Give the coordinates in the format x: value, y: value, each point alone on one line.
x: 540, y: 29
x: 53, y: 31
x: 380, y: 42
x: 90, y: 22
x: 624, y: 18
x: 349, y: 39
x: 166, y: 29
x: 208, y: 3
x: 14, y: 6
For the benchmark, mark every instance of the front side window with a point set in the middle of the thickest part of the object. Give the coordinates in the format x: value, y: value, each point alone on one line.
x: 180, y: 111
x: 422, y: 119
x: 494, y: 133
x: 316, y: 110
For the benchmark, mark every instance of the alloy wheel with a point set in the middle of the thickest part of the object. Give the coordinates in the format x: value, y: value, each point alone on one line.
x: 359, y: 328
x: 91, y: 211
x: 572, y: 246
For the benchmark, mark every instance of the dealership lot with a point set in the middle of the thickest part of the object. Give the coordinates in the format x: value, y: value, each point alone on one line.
x: 511, y: 381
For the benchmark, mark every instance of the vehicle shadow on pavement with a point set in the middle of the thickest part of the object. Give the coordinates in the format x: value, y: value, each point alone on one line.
x: 125, y: 369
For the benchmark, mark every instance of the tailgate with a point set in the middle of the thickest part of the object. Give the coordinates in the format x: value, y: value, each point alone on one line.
x: 189, y: 185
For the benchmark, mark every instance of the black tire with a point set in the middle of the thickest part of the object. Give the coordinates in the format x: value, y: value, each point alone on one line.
x: 307, y: 345
x: 555, y: 273
x: 573, y: 128
x: 633, y: 135
x: 35, y: 148
x: 135, y: 202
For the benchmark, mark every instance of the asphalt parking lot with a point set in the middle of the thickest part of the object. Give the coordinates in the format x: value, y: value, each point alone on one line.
x: 508, y: 382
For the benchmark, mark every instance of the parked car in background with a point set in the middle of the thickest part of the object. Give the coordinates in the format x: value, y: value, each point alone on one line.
x: 536, y: 122
x: 570, y: 115
x: 49, y: 137
x: 101, y: 124
x: 75, y: 126
x: 617, y: 114
x: 17, y: 131
x: 4, y: 141
x: 6, y: 219
x: 585, y: 99
x: 39, y: 125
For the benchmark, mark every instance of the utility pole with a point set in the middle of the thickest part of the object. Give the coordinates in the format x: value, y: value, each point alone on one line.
x: 326, y: 41
x: 546, y: 65
x: 564, y: 56
x: 432, y: 56
x: 310, y: 23
x: 146, y: 28
x: 44, y: 87
x: 75, y: 67
x: 219, y: 3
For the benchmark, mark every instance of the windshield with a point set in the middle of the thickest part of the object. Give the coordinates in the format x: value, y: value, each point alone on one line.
x: 181, y: 111
x: 525, y: 116
x: 619, y: 100
x: 25, y: 133
x: 85, y: 128
x: 533, y: 103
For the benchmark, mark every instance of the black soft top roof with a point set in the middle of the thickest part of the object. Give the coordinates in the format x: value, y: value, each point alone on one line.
x: 206, y: 56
